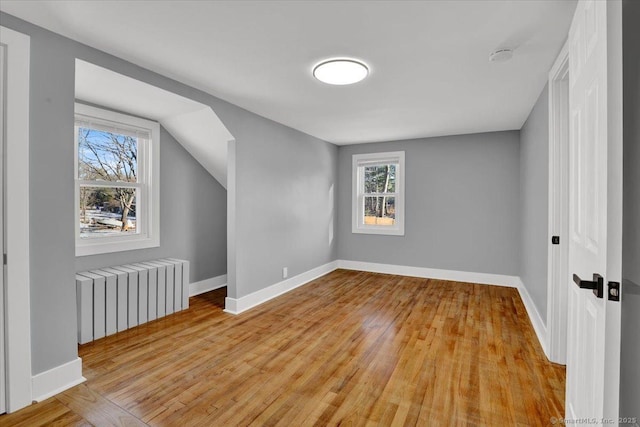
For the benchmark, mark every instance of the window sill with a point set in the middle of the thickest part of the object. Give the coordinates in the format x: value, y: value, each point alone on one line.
x: 86, y: 248
x: 382, y: 231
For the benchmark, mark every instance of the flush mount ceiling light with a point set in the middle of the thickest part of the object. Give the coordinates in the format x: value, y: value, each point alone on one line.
x: 340, y: 71
x: 501, y: 55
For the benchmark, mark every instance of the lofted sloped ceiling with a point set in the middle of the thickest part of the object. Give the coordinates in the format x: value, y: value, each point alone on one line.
x: 429, y: 60
x: 194, y: 125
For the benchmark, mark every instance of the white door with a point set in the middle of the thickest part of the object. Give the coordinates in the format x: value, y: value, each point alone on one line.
x: 592, y: 367
x: 3, y: 397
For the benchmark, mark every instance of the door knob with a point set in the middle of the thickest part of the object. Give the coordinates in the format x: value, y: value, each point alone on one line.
x: 597, y: 284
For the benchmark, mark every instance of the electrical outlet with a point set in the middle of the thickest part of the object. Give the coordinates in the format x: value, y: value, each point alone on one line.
x: 285, y: 272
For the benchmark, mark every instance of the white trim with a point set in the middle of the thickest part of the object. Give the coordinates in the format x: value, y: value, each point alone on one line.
x: 17, y: 309
x: 149, y: 186
x: 57, y: 380
x: 432, y: 273
x: 3, y: 382
x: 207, y: 285
x: 231, y: 306
x: 239, y: 305
x: 535, y: 318
x: 357, y: 199
x: 613, y: 310
x: 557, y: 261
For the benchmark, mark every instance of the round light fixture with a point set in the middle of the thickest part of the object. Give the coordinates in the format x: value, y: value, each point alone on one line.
x: 340, y: 71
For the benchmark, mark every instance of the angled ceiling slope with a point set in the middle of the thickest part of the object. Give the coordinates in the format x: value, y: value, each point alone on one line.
x: 194, y: 125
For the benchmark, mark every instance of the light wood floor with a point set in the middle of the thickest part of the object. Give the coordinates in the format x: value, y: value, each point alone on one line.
x: 350, y: 348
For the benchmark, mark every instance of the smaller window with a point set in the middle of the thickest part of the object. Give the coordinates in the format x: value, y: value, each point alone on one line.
x: 378, y: 193
x: 116, y: 176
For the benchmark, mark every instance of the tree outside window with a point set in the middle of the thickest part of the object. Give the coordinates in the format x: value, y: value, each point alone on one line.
x: 109, y: 159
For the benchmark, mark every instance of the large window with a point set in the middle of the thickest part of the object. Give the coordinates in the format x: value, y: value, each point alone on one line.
x: 116, y: 175
x: 378, y: 193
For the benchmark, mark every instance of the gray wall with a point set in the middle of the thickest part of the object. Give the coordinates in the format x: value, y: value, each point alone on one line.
x: 53, y: 264
x: 534, y: 202
x: 193, y: 215
x: 630, y: 351
x: 51, y: 201
x: 462, y: 205
x: 285, y: 204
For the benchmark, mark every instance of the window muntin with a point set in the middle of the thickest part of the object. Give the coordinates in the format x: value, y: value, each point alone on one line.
x: 116, y: 191
x: 378, y: 201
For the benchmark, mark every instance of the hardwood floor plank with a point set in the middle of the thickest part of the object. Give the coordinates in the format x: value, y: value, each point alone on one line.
x: 350, y: 348
x: 96, y: 409
x: 44, y: 413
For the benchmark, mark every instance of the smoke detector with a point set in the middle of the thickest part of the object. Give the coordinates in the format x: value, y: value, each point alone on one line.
x: 501, y: 55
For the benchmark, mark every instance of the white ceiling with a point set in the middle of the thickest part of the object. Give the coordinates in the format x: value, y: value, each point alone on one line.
x: 430, y: 73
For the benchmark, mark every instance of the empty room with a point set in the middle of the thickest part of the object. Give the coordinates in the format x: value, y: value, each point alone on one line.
x: 320, y: 213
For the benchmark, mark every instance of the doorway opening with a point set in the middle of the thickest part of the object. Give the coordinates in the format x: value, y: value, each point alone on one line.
x: 558, y: 208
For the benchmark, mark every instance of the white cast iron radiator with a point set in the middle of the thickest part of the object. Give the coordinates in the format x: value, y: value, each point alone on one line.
x: 113, y: 299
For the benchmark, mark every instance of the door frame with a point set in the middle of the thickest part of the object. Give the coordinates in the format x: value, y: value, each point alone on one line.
x: 3, y: 86
x: 613, y: 311
x: 17, y: 285
x: 558, y: 255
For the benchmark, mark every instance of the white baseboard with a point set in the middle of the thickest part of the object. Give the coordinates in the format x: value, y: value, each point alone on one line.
x: 432, y: 273
x: 238, y: 305
x: 207, y: 285
x: 57, y: 380
x: 536, y: 320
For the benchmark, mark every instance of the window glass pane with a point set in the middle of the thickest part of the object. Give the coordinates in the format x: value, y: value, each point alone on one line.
x: 380, y: 179
x: 107, y: 211
x: 107, y: 156
x: 379, y: 210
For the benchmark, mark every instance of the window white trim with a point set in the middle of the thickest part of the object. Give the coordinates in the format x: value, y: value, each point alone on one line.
x: 357, y: 195
x: 149, y: 189
x: 17, y: 286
